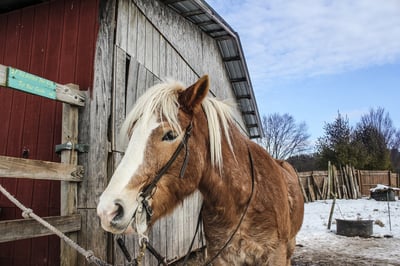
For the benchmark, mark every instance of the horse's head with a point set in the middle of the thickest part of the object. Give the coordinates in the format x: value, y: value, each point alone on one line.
x: 163, y: 160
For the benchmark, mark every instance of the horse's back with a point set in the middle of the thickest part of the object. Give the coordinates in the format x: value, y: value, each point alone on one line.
x: 296, y: 200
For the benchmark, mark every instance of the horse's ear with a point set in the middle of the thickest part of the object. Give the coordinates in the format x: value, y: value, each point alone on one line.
x: 191, y: 98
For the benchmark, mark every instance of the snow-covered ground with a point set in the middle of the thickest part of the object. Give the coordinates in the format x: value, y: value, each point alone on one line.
x: 319, y: 246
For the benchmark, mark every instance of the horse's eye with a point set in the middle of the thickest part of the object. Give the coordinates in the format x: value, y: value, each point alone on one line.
x: 169, y: 136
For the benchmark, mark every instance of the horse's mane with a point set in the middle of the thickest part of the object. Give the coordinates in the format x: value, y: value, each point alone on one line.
x: 162, y: 100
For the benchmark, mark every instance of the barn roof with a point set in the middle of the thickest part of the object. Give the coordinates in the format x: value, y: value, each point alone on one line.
x: 202, y: 15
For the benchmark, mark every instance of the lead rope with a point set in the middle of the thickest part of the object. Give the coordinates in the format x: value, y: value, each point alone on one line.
x: 28, y: 213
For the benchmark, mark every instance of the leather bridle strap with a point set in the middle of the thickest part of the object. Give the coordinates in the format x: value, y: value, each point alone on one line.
x: 148, y: 190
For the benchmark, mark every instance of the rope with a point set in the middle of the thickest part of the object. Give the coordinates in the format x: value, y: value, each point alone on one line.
x: 28, y: 213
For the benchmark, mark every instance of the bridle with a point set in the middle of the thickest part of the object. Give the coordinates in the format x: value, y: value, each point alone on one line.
x: 142, y: 219
x: 148, y: 191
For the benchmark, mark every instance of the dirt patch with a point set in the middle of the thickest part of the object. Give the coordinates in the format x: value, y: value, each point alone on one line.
x: 306, y: 256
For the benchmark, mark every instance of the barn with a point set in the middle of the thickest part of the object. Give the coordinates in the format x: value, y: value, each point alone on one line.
x: 106, y: 53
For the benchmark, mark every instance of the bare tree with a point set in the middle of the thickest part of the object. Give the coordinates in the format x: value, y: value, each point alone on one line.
x: 381, y: 120
x: 396, y: 144
x: 283, y: 137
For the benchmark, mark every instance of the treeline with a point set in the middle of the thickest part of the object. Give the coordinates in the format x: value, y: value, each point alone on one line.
x: 373, y: 144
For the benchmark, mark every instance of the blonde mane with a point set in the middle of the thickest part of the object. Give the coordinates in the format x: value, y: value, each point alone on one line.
x: 162, y: 100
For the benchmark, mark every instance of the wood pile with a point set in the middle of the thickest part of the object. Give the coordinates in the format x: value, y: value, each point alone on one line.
x: 344, y: 183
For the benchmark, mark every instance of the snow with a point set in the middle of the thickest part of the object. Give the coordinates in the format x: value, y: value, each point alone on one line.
x: 316, y: 243
x: 380, y: 187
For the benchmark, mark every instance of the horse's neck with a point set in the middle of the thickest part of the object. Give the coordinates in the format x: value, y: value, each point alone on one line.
x: 226, y: 192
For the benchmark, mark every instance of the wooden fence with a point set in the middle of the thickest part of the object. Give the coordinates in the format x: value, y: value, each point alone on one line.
x: 68, y: 172
x: 345, y: 182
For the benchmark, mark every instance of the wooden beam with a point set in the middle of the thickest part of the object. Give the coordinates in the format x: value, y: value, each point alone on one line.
x: 29, y: 83
x: 11, y: 230
x: 36, y: 169
x: 69, y: 191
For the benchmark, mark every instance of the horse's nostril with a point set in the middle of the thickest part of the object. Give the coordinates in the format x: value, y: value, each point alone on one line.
x: 119, y: 213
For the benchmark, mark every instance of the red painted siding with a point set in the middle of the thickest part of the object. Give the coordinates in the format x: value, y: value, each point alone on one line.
x: 55, y: 40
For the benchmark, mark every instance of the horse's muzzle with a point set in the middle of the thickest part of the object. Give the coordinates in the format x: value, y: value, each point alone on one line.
x: 111, y: 216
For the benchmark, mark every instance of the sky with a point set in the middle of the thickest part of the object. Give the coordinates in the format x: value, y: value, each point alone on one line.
x: 315, y: 58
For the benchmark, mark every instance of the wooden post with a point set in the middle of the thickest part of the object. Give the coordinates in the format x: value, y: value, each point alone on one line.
x: 302, y: 188
x: 68, y: 256
x: 310, y: 189
x: 328, y: 192
x: 331, y: 212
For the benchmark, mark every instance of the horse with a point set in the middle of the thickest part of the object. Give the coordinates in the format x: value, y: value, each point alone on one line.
x: 180, y: 140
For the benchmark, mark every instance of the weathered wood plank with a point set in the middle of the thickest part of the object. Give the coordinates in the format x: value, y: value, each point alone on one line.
x: 93, y: 238
x: 148, y: 60
x: 156, y: 52
x: 181, y: 33
x: 3, y: 75
x: 96, y: 125
x: 29, y: 83
x: 162, y: 57
x: 118, y: 112
x: 132, y: 30
x: 141, y: 38
x: 69, y: 191
x: 67, y: 94
x: 141, y: 81
x: 132, y: 84
x: 121, y: 38
x: 11, y: 230
x: 36, y: 169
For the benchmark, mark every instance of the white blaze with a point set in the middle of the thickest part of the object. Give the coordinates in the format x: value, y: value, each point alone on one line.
x: 129, y: 164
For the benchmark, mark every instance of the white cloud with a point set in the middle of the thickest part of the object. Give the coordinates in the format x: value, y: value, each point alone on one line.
x: 286, y: 39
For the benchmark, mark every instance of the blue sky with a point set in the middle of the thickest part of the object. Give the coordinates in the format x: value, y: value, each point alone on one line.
x: 313, y: 58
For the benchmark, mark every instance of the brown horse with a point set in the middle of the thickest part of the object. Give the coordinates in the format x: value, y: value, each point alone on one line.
x: 180, y: 140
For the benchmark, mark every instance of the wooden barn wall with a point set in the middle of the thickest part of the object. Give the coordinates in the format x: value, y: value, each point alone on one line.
x: 55, y: 40
x: 169, y: 45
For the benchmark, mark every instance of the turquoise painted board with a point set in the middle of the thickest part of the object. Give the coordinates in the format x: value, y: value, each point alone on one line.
x: 30, y: 83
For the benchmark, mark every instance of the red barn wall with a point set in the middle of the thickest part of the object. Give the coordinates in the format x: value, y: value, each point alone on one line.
x: 55, y: 40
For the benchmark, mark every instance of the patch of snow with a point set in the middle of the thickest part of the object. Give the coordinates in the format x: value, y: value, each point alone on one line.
x: 380, y: 187
x: 383, y: 246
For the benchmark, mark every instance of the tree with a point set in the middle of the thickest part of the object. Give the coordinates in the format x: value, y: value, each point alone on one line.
x: 337, y: 144
x: 396, y: 144
x: 283, y: 137
x: 381, y: 120
x: 304, y: 162
x: 376, y: 155
x: 365, y: 147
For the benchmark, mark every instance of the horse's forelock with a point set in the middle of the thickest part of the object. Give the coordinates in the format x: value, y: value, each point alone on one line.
x: 160, y: 100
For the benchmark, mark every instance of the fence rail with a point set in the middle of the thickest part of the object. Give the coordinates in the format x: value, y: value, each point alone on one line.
x: 23, y: 81
x: 13, y: 167
x: 12, y: 230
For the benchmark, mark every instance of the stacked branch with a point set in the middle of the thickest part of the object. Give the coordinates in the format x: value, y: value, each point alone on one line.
x: 342, y: 183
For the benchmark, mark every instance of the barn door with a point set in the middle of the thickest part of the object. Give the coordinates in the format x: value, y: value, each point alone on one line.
x: 56, y: 40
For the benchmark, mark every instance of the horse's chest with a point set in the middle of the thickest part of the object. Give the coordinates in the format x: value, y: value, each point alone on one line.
x: 243, y: 251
